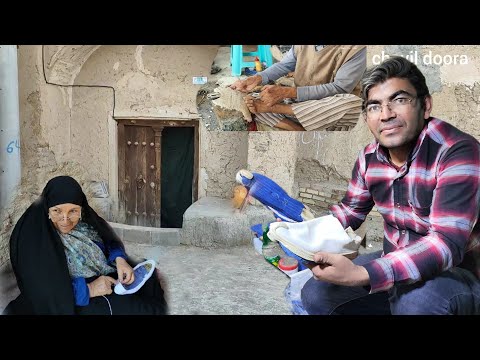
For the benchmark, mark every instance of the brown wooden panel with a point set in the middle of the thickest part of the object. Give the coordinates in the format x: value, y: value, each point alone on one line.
x: 121, y: 171
x: 151, y: 179
x: 158, y: 173
x: 131, y: 135
x: 129, y: 179
x: 161, y: 123
x: 139, y: 203
x: 142, y: 177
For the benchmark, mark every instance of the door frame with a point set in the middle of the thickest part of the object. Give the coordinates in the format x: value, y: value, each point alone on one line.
x: 156, y: 125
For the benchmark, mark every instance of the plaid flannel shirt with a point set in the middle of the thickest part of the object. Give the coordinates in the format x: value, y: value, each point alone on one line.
x: 430, y: 206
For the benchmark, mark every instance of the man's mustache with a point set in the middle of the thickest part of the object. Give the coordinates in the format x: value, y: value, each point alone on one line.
x: 390, y: 125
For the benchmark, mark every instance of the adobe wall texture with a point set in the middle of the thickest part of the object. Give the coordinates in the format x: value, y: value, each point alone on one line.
x: 71, y: 130
x: 67, y: 130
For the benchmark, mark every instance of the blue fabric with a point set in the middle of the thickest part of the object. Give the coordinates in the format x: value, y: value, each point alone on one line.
x: 270, y: 194
x: 80, y: 288
x: 140, y: 273
x: 80, y: 291
x: 281, y: 216
x: 113, y: 253
x: 257, y: 229
x: 294, y: 300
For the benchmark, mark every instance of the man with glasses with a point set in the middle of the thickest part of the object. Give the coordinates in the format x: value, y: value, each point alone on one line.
x: 423, y: 175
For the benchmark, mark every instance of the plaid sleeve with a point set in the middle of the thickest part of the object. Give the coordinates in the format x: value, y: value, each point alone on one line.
x: 357, y: 202
x: 453, y: 214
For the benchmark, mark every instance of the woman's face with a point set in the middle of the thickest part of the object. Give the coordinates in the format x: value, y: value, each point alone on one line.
x: 65, y: 216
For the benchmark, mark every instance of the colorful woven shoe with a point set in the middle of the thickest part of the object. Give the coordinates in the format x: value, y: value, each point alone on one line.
x: 142, y: 272
x: 270, y: 194
x: 324, y: 233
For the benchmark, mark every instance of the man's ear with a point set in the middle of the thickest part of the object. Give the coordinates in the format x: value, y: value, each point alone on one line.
x: 428, y: 107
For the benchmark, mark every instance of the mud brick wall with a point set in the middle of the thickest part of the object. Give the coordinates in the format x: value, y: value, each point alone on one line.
x: 319, y: 197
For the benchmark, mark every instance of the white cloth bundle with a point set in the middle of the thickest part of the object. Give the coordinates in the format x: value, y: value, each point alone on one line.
x: 324, y: 233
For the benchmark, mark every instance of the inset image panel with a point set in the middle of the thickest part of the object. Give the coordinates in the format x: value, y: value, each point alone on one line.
x: 284, y: 88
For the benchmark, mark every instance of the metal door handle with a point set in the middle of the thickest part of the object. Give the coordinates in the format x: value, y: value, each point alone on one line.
x: 140, y: 181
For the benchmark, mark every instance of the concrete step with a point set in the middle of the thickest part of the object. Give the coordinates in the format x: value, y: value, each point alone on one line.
x: 214, y: 222
x: 147, y: 235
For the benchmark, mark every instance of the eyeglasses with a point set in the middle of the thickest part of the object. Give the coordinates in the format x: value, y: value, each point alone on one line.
x: 73, y: 215
x: 396, y: 105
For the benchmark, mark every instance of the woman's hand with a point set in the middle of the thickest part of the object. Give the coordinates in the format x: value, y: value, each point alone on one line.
x: 124, y: 271
x: 101, y: 286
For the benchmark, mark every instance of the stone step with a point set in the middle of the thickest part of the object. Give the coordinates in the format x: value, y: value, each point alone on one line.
x: 147, y: 235
x: 214, y: 222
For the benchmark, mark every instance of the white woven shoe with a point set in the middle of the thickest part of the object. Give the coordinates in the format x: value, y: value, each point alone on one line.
x: 142, y: 272
x: 324, y: 233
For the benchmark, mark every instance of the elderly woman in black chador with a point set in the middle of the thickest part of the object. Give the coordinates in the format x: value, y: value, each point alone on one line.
x: 66, y: 259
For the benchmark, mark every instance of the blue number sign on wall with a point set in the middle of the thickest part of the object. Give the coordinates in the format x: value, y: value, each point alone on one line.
x: 12, y: 145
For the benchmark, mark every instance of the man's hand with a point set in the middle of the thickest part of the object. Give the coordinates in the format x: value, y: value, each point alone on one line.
x: 339, y: 270
x: 101, y: 286
x: 248, y: 84
x: 256, y: 105
x: 273, y: 94
x: 124, y: 271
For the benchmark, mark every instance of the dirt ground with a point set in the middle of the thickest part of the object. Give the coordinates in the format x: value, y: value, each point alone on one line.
x: 230, y: 281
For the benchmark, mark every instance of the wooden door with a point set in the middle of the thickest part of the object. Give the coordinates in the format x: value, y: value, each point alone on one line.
x: 142, y: 176
x: 139, y: 171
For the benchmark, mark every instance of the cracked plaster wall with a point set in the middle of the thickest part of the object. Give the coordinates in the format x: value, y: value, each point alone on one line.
x: 45, y: 147
x: 221, y: 156
x: 455, y: 89
x: 274, y: 154
x: 155, y: 81
x: 149, y: 82
x: 68, y: 130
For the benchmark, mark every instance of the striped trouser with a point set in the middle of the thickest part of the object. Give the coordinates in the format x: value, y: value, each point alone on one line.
x: 338, y: 112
